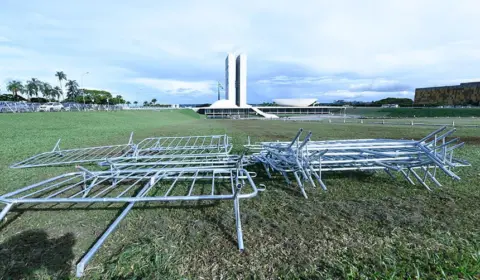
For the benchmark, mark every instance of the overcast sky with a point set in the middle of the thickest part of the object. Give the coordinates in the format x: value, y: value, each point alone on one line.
x: 175, y: 51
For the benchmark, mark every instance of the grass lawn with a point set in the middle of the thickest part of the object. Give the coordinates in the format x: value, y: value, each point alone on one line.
x: 364, y: 226
x: 448, y: 121
x: 379, y: 112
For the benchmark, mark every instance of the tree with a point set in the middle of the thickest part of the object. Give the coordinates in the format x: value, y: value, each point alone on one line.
x: 135, y: 102
x: 39, y: 85
x: 61, y: 77
x: 402, y: 102
x: 72, y: 89
x: 15, y: 87
x: 340, y: 102
x: 47, y: 90
x: 57, y: 92
x: 118, y: 100
x: 128, y: 103
x: 145, y: 103
x: 154, y: 101
x: 97, y: 96
x: 31, y: 88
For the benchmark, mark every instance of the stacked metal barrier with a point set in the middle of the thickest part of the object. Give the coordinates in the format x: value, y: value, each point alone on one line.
x: 307, y: 159
x: 16, y: 107
x: 132, y: 186
x: 195, y: 168
x: 24, y: 107
x: 150, y: 147
x: 157, y: 169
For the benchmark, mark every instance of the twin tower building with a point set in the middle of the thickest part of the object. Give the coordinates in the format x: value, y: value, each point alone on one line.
x: 236, y: 79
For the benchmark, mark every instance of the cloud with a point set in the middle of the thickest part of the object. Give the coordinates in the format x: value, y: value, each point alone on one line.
x: 6, y: 50
x: 286, y: 80
x: 344, y: 46
x: 340, y: 82
x: 175, y: 87
x: 380, y: 85
x: 363, y: 95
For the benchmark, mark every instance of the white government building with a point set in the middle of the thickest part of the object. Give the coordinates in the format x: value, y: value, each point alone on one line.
x: 235, y: 105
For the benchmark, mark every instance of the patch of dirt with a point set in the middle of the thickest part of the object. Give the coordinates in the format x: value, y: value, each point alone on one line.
x: 471, y: 140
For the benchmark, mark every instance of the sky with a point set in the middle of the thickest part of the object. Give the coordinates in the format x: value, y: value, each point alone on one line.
x: 175, y: 51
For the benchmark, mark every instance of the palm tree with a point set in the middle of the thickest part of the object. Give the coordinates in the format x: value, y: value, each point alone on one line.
x: 15, y: 87
x: 145, y: 103
x: 72, y: 89
x: 31, y: 88
x: 57, y: 92
x: 128, y: 103
x: 61, y: 77
x: 119, y: 99
x: 135, y: 102
x: 47, y: 90
x: 154, y: 101
x: 39, y: 85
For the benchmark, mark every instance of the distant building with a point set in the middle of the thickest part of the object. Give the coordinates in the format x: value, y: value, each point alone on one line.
x: 463, y: 94
x: 390, y: 106
x: 295, y: 102
x: 235, y: 82
x: 241, y: 81
x: 230, y: 77
x: 235, y: 105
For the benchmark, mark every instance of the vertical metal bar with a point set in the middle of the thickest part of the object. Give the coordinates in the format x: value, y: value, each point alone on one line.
x: 407, y: 177
x: 213, y: 182
x: 133, y: 185
x: 225, y: 143
x: 238, y: 221
x: 318, y: 179
x: 299, y: 182
x: 431, y: 134
x: 5, y: 210
x: 389, y: 173
x: 432, y: 177
x: 113, y: 185
x: 193, y: 183
x: 65, y: 189
x: 57, y: 146
x: 92, y: 184
x: 419, y: 179
x: 425, y: 176
x: 86, y: 258
x: 231, y: 182
x: 173, y: 184
x: 48, y: 187
x: 267, y: 171
x: 286, y: 177
x: 296, y: 138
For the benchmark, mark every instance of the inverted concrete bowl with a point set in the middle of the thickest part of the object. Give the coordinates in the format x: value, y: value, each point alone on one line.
x: 295, y: 102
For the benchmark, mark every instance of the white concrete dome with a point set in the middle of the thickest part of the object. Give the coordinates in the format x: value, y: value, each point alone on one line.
x: 295, y: 102
x: 223, y: 103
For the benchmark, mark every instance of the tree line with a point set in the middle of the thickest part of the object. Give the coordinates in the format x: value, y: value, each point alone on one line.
x: 402, y: 102
x: 152, y: 103
x: 34, y: 88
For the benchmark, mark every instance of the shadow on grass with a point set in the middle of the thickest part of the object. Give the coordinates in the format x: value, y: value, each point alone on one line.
x: 24, y: 254
x: 15, y: 213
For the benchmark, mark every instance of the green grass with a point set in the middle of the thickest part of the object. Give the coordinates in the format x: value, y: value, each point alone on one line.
x: 413, y: 112
x: 431, y: 112
x: 363, y: 227
x: 447, y: 121
x: 366, y: 111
